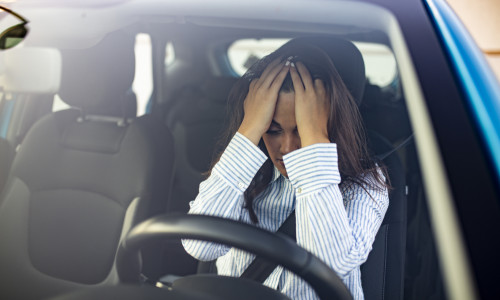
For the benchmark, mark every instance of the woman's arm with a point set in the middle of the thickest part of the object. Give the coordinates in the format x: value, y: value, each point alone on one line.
x: 342, y: 236
x: 221, y: 194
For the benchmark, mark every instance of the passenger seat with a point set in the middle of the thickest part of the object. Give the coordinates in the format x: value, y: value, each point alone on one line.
x: 196, y: 119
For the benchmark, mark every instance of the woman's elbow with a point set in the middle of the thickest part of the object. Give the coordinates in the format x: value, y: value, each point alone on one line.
x: 345, y: 263
x: 201, y: 250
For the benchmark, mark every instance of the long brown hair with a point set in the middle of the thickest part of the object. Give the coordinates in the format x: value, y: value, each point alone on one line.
x: 345, y: 126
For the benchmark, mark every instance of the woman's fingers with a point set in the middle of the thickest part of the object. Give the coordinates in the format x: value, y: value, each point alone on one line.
x: 305, y: 75
x: 271, y: 65
x: 298, y: 86
x: 253, y: 83
x: 260, y: 101
x: 319, y: 87
x: 278, y: 80
x: 269, y: 73
x: 311, y: 106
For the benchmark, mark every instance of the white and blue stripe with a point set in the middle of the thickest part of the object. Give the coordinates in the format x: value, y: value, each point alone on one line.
x: 336, y: 223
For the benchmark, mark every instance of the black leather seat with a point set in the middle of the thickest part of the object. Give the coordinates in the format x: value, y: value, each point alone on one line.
x: 82, y: 178
x: 382, y: 275
x: 196, y: 120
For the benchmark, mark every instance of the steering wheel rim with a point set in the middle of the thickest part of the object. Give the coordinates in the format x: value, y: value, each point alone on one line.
x: 274, y: 247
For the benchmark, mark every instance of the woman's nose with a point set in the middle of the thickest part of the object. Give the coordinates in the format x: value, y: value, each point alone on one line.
x: 289, y: 143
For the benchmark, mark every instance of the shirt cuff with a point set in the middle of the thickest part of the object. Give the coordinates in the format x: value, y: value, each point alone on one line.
x: 312, y: 168
x: 240, y: 162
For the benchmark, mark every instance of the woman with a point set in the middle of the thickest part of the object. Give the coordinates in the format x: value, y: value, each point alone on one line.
x: 295, y: 142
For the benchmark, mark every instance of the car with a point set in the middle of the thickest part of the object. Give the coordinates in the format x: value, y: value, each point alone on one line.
x: 110, y: 113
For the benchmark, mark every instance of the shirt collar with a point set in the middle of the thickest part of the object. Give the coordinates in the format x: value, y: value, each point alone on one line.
x: 276, y: 174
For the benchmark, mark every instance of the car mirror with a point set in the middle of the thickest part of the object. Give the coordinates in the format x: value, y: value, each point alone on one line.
x: 12, y: 36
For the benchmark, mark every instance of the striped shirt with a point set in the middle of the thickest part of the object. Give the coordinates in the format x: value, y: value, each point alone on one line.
x: 337, y: 223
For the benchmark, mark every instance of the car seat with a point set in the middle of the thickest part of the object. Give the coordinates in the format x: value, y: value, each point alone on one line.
x: 30, y: 77
x: 196, y: 119
x: 382, y: 275
x: 82, y: 178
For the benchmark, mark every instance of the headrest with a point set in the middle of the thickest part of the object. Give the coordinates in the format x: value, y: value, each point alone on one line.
x: 347, y: 59
x: 30, y: 70
x: 98, y: 79
x: 218, y: 88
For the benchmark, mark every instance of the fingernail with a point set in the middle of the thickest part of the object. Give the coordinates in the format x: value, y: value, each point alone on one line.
x: 287, y: 63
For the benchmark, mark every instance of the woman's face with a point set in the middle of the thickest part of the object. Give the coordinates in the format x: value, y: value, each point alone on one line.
x: 282, y: 136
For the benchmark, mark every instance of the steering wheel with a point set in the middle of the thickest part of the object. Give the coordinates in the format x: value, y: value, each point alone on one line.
x: 275, y: 248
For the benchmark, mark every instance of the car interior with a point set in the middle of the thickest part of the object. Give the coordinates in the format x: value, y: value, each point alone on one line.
x: 76, y: 180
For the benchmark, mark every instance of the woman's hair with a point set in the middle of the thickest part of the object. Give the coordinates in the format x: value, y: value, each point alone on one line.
x: 345, y: 126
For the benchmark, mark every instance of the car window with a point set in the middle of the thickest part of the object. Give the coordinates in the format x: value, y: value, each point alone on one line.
x: 169, y: 54
x: 59, y: 104
x: 380, y: 63
x: 5, y: 109
x: 143, y: 80
x: 379, y: 60
x: 243, y: 53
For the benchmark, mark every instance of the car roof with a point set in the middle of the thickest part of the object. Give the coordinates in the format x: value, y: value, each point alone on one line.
x: 87, y: 23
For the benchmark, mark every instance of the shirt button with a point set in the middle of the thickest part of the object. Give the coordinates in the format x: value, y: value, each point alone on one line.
x: 299, y: 190
x: 241, y: 185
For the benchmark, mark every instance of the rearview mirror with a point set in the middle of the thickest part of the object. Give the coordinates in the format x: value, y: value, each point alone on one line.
x: 12, y: 36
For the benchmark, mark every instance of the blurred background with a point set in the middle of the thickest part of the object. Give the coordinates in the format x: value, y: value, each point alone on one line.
x: 482, y: 19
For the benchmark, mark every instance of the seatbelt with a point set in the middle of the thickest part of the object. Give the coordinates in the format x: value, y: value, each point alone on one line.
x: 401, y: 145
x: 261, y: 268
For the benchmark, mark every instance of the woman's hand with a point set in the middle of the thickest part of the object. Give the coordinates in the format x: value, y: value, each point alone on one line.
x: 260, y: 102
x: 311, y: 106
